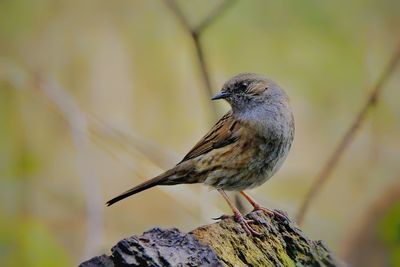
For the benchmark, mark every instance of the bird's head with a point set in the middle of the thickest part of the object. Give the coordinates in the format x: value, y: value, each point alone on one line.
x: 247, y: 91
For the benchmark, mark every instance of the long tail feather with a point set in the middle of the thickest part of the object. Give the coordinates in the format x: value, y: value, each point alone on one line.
x: 158, y: 180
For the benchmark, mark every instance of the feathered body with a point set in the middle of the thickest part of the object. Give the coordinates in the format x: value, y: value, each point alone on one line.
x: 244, y: 148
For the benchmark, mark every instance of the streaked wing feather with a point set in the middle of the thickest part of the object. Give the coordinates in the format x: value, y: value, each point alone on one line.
x: 222, y: 134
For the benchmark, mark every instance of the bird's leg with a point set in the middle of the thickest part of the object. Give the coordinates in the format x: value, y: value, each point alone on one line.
x: 254, y: 203
x: 257, y: 206
x: 238, y: 217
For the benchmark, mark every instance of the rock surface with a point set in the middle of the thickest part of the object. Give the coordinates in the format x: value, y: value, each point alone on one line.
x: 221, y: 244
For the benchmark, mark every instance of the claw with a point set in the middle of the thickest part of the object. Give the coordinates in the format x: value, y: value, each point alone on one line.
x: 272, y: 213
x: 281, y: 215
x: 222, y: 217
x: 268, y: 211
x: 246, y: 225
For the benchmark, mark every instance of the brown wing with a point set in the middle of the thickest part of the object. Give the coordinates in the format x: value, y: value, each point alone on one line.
x: 222, y: 134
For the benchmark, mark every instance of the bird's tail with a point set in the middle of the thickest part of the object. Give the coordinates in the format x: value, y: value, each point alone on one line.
x: 162, y: 179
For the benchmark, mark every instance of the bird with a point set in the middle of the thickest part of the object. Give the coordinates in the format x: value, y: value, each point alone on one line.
x: 243, y: 150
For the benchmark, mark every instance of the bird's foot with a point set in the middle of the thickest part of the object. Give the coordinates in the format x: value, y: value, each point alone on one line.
x: 272, y: 213
x: 236, y: 218
x: 245, y: 223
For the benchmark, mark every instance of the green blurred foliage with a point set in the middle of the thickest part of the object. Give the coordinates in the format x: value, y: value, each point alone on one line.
x: 389, y: 232
x: 26, y: 242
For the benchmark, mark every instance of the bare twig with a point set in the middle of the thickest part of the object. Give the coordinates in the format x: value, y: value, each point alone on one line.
x: 131, y: 141
x: 217, y: 12
x: 178, y: 13
x: 101, y: 130
x: 91, y: 185
x: 203, y: 69
x: 195, y: 33
x: 98, y: 129
x: 349, y: 135
x: 356, y: 246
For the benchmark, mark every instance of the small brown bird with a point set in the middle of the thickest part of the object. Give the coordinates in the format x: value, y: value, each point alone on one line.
x: 243, y: 149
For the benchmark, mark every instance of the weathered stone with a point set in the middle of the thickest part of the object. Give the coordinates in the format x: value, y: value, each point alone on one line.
x: 221, y: 244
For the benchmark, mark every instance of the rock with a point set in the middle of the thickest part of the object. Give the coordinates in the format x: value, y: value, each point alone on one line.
x: 221, y: 244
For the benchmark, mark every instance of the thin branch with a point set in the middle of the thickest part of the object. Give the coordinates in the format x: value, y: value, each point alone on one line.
x: 203, y: 69
x: 178, y: 13
x: 91, y: 185
x: 347, y: 138
x: 214, y: 14
x: 356, y: 242
x: 164, y: 160
x: 195, y: 33
x: 185, y: 192
x: 130, y: 140
x: 100, y: 129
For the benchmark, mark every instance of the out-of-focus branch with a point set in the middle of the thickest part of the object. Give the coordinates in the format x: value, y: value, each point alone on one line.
x: 195, y: 33
x: 362, y: 240
x: 131, y: 141
x: 101, y: 130
x: 97, y: 129
x: 349, y: 135
x: 91, y: 185
x: 215, y: 13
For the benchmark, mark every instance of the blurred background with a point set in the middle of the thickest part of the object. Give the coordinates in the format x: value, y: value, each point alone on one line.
x: 97, y: 96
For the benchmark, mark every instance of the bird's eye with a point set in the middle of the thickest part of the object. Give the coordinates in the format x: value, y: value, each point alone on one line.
x: 242, y: 87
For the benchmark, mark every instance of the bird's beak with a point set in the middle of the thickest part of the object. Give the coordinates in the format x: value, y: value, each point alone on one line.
x: 220, y: 95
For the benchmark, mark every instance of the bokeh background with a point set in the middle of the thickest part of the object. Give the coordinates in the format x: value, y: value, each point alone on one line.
x: 97, y: 96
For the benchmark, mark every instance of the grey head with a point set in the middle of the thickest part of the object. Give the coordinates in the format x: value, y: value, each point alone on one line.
x: 247, y: 92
